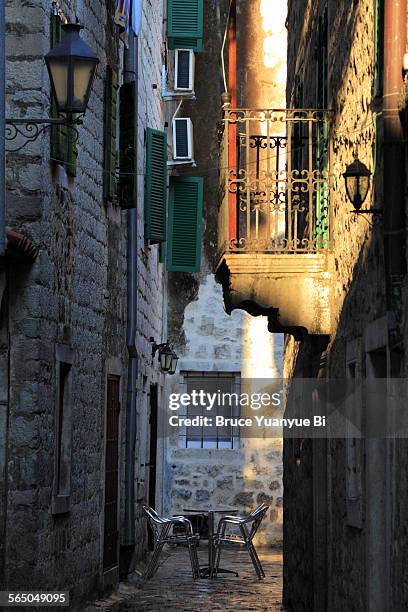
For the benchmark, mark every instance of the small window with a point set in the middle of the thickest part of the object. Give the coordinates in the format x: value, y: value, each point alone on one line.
x: 63, y: 432
x: 226, y: 387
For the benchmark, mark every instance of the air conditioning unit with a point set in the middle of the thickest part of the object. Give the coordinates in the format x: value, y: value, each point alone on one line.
x: 184, y: 70
x: 182, y: 139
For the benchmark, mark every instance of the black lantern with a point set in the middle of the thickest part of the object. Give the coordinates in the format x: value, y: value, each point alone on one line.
x: 71, y: 67
x: 357, y: 177
x: 167, y: 357
x: 174, y: 361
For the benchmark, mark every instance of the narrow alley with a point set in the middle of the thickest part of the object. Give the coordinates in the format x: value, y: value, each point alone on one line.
x: 204, y: 305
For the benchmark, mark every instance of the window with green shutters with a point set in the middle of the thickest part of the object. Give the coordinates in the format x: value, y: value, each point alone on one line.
x: 63, y: 145
x: 109, y: 176
x: 156, y: 185
x: 185, y: 224
x: 185, y: 24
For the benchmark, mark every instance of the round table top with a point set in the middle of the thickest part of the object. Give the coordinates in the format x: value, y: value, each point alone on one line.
x: 220, y: 510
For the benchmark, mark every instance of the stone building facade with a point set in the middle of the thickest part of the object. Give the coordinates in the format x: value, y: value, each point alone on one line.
x: 63, y: 347
x: 344, y: 498
x: 237, y: 350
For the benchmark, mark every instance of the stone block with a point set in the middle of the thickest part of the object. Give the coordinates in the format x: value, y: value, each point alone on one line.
x: 225, y: 483
x: 23, y: 498
x: 29, y: 45
x: 26, y: 74
x: 30, y: 177
x: 202, y: 495
x: 182, y: 493
x: 22, y: 208
x: 23, y: 21
x: 23, y: 432
x: 245, y: 498
x: 263, y: 498
x: 275, y: 485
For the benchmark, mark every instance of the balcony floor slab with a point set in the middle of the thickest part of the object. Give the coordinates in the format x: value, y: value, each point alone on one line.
x: 293, y: 290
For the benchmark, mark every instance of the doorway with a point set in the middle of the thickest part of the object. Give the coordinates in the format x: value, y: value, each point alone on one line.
x: 111, y: 532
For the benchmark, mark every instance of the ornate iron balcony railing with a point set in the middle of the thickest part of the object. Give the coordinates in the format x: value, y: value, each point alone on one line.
x: 275, y: 170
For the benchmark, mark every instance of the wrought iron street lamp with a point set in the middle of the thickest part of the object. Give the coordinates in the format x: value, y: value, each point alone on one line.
x: 174, y: 361
x: 357, y: 178
x: 71, y: 67
x: 167, y: 357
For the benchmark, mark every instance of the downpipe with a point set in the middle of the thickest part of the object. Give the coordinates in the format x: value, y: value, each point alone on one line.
x: 127, y: 552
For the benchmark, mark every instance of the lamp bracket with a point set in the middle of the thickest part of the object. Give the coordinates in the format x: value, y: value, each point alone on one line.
x: 375, y: 213
x: 30, y: 129
x: 156, y: 347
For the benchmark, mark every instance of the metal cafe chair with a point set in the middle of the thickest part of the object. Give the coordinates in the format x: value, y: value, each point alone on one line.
x: 163, y: 533
x: 247, y: 526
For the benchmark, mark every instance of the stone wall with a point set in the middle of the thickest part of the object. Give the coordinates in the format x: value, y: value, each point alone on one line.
x: 74, y: 295
x: 358, y: 308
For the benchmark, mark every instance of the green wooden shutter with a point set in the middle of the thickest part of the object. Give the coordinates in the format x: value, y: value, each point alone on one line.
x: 156, y: 185
x: 185, y: 24
x: 109, y: 176
x: 127, y: 135
x: 63, y: 138
x: 185, y: 222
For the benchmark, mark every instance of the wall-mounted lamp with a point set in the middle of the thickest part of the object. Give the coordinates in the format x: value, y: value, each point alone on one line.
x: 357, y: 178
x: 167, y: 357
x: 71, y: 67
x: 405, y: 66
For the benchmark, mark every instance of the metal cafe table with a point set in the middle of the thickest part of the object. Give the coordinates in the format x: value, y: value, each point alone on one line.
x: 208, y: 570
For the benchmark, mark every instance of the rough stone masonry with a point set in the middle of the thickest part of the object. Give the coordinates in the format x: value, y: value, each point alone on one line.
x: 70, y: 305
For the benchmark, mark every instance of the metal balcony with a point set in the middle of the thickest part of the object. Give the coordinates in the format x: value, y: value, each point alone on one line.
x: 274, y: 216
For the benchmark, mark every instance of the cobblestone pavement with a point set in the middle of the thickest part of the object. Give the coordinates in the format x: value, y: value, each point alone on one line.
x: 172, y: 589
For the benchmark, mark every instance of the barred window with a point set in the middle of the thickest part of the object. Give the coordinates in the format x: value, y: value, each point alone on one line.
x: 225, y: 387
